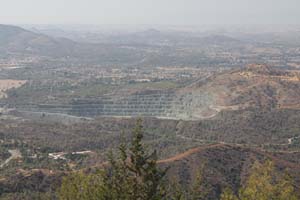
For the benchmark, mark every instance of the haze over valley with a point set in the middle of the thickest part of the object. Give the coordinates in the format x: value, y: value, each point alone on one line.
x: 83, y: 106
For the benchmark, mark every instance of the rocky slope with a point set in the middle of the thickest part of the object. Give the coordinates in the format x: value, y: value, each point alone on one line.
x: 256, y: 86
x: 252, y: 87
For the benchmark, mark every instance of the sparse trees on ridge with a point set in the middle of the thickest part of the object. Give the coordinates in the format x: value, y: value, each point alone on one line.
x: 264, y: 183
x: 134, y: 175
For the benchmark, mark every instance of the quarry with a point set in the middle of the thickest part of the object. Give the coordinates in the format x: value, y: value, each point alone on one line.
x: 156, y: 103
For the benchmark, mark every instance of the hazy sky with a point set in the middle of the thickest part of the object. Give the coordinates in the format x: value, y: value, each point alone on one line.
x: 174, y: 12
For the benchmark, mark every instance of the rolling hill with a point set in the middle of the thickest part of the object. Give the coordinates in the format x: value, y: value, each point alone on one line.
x: 15, y: 40
x: 18, y: 42
x: 226, y: 165
x: 255, y: 86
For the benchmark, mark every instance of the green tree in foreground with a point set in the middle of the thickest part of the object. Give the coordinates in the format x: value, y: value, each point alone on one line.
x: 228, y: 195
x: 134, y: 175
x: 264, y: 183
x: 199, y: 189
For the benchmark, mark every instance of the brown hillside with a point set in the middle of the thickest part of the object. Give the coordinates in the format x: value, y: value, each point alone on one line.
x: 226, y: 165
x: 256, y: 86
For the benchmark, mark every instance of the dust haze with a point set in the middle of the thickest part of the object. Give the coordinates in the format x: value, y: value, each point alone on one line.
x: 175, y: 12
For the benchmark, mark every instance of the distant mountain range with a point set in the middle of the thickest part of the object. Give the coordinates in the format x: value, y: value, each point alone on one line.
x: 18, y: 41
x: 147, y: 48
x: 15, y: 40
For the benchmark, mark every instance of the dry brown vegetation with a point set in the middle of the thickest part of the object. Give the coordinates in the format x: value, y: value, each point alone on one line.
x: 9, y: 84
x: 256, y: 86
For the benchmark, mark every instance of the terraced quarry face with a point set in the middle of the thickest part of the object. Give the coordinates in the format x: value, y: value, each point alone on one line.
x: 155, y: 103
x: 255, y: 86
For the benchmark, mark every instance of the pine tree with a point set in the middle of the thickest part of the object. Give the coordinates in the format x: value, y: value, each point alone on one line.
x: 146, y: 178
x: 80, y: 186
x: 134, y: 175
x: 200, y: 189
x: 284, y: 189
x: 176, y: 191
x: 259, y: 184
x: 265, y: 183
x: 228, y: 195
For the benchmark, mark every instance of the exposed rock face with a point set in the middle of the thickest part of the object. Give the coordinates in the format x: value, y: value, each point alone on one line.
x: 164, y: 104
x: 153, y: 103
x: 256, y: 86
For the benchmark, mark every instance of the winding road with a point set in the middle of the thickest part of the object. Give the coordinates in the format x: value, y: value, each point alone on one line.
x: 15, y: 154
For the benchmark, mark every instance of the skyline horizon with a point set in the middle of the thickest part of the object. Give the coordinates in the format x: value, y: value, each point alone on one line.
x: 160, y: 12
